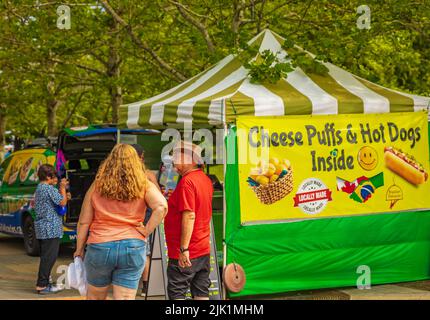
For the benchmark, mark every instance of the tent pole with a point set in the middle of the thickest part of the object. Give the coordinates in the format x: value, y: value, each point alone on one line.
x: 224, y: 215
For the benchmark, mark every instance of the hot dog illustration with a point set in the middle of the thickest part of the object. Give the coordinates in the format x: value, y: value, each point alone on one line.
x: 25, y: 170
x: 405, y: 166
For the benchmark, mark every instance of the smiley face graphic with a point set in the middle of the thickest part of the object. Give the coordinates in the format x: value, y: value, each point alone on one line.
x: 367, y: 158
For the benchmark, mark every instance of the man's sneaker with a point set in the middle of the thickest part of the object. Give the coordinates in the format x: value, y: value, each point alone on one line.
x: 50, y: 289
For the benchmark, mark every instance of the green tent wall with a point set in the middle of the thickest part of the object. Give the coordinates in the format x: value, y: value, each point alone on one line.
x: 324, y: 253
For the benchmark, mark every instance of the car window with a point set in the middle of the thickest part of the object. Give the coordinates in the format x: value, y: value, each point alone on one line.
x: 84, y: 164
x: 80, y: 165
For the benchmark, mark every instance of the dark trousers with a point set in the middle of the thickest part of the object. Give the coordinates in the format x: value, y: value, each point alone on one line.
x: 195, y: 278
x: 48, y: 255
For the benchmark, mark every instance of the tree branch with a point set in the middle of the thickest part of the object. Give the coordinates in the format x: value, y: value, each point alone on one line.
x: 79, y: 66
x: 199, y: 26
x: 142, y: 43
x: 99, y: 58
x: 75, y: 106
x: 302, y: 18
x: 191, y: 11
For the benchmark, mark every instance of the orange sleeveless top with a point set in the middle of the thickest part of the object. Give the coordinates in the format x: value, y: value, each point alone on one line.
x: 115, y: 220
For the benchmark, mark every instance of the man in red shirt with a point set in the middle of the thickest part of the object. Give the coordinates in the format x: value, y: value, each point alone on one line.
x: 187, y: 226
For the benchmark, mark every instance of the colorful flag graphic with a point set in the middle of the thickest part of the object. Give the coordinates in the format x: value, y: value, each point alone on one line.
x: 362, y: 188
x: 349, y: 187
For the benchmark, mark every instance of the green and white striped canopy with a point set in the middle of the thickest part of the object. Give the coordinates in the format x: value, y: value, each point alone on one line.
x: 223, y: 92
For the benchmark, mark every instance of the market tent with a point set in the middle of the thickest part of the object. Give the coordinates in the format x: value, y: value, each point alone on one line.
x: 316, y: 253
x: 224, y: 91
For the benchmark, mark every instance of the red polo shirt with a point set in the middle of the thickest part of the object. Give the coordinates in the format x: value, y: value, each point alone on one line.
x: 193, y: 193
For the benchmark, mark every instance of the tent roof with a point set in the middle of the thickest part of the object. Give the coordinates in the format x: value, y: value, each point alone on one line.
x: 224, y: 91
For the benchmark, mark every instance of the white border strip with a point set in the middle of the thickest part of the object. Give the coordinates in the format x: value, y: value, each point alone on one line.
x: 265, y: 222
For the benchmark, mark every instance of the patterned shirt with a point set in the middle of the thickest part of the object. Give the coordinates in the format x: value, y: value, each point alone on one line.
x: 48, y: 223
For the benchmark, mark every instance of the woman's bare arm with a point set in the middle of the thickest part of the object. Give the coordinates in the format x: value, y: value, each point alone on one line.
x: 156, y: 201
x: 152, y: 177
x: 85, y: 219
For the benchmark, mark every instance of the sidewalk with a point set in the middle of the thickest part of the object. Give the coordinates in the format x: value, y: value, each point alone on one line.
x: 18, y: 275
x: 18, y: 272
x: 418, y: 290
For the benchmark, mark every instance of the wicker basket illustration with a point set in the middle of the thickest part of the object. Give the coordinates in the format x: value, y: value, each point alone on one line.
x: 275, y: 191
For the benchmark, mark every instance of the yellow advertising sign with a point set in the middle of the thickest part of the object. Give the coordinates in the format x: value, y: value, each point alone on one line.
x: 307, y: 167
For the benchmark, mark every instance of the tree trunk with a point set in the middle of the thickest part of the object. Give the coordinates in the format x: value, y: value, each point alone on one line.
x: 52, y: 107
x: 113, y: 72
x: 3, y: 118
x: 116, y: 102
x: 238, y: 6
x: 52, y: 102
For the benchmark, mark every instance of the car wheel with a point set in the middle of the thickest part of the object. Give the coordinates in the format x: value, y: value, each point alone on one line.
x: 31, y: 244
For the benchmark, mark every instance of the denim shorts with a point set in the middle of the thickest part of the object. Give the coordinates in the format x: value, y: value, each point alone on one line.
x: 117, y: 262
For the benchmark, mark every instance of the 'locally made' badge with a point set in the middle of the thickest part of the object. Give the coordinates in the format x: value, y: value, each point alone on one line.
x: 312, y: 196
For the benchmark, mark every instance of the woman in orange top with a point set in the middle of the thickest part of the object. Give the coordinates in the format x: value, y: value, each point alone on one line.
x: 111, y: 225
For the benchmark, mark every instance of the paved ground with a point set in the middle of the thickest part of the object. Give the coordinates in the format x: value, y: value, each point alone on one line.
x: 18, y: 271
x: 418, y: 290
x: 18, y: 275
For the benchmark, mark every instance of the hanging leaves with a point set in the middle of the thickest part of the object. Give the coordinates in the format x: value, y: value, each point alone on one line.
x: 267, y: 67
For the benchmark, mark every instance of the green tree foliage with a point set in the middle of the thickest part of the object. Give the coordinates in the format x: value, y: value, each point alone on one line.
x: 123, y: 51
